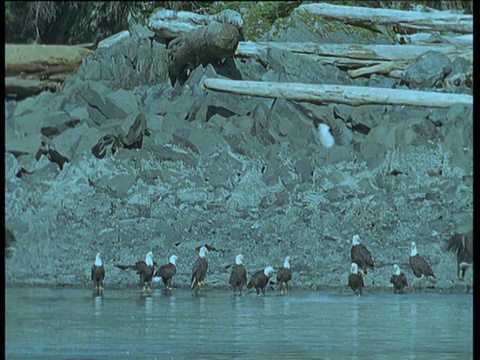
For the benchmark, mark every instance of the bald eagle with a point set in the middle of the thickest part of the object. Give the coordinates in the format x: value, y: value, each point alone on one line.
x: 166, y: 272
x: 200, y: 268
x: 462, y: 244
x: 238, y: 276
x: 260, y: 278
x: 98, y: 273
x: 398, y: 279
x: 325, y: 136
x: 284, y: 275
x: 144, y: 270
x: 355, y: 280
x: 360, y: 255
x: 420, y: 267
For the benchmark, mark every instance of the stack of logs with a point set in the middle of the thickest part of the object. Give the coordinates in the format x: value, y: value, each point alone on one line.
x: 201, y: 39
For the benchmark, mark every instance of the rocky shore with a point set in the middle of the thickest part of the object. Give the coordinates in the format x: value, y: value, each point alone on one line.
x: 123, y: 162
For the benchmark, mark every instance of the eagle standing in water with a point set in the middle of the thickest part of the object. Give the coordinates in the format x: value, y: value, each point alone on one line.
x: 166, y: 272
x: 199, y: 271
x: 98, y: 273
x: 462, y: 244
x: 355, y: 280
x: 260, y: 279
x: 284, y: 275
x: 144, y: 270
x: 360, y: 255
x: 238, y: 276
x: 398, y: 279
x: 420, y: 267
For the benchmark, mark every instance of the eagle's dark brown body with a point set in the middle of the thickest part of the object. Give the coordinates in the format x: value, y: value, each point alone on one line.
x: 144, y: 270
x: 284, y: 275
x: 355, y: 281
x: 166, y: 273
x: 399, y: 282
x: 421, y: 267
x: 259, y: 280
x: 360, y: 255
x: 98, y: 275
x: 200, y: 268
x: 238, y: 278
x: 462, y: 245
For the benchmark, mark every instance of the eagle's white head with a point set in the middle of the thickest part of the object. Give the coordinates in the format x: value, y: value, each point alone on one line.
x: 413, y: 249
x: 268, y: 271
x: 396, y: 269
x: 203, y: 252
x: 326, y: 138
x: 173, y: 259
x: 98, y: 260
x: 356, y: 240
x: 149, y: 259
x: 239, y: 259
x: 354, y: 269
x: 286, y: 264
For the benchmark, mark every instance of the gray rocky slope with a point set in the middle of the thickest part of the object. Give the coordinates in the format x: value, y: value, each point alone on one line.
x: 122, y: 162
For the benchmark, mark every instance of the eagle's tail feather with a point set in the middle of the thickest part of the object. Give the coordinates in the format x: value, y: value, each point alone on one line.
x: 124, y: 267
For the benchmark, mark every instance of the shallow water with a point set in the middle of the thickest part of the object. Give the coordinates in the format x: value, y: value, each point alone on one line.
x: 68, y: 323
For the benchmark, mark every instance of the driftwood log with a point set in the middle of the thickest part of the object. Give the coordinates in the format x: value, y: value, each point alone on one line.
x: 429, y: 38
x: 170, y: 24
x: 440, y: 20
x: 31, y: 69
x: 361, y: 60
x: 29, y: 87
x: 350, y: 95
x: 44, y: 59
x: 337, y: 52
x: 201, y: 46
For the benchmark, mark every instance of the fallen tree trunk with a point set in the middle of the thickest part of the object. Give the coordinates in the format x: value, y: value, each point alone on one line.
x: 383, y: 68
x: 201, y: 46
x: 171, y: 24
x: 354, y: 51
x: 45, y: 59
x: 441, y: 20
x: 28, y: 87
x: 350, y: 95
x: 428, y: 38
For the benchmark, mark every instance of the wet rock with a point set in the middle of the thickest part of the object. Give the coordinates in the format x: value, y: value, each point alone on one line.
x: 129, y: 63
x: 12, y: 166
x: 428, y: 70
x: 25, y: 106
x: 222, y: 169
x: 88, y: 140
x: 373, y: 153
x: 119, y: 104
x: 66, y: 143
x: 338, y: 154
x: 97, y: 107
x: 26, y: 145
x: 288, y: 126
x: 168, y: 153
x: 201, y: 141
x: 135, y: 128
x: 120, y: 183
x: 57, y: 123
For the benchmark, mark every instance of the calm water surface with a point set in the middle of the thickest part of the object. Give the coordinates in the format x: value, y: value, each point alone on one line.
x: 66, y: 323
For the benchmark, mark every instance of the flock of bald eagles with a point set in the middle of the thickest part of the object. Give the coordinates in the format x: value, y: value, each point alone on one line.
x: 361, y: 259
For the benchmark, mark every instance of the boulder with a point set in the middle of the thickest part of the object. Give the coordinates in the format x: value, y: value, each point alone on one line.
x: 119, y: 104
x: 427, y: 71
x: 66, y: 143
x: 201, y: 141
x: 57, y: 123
